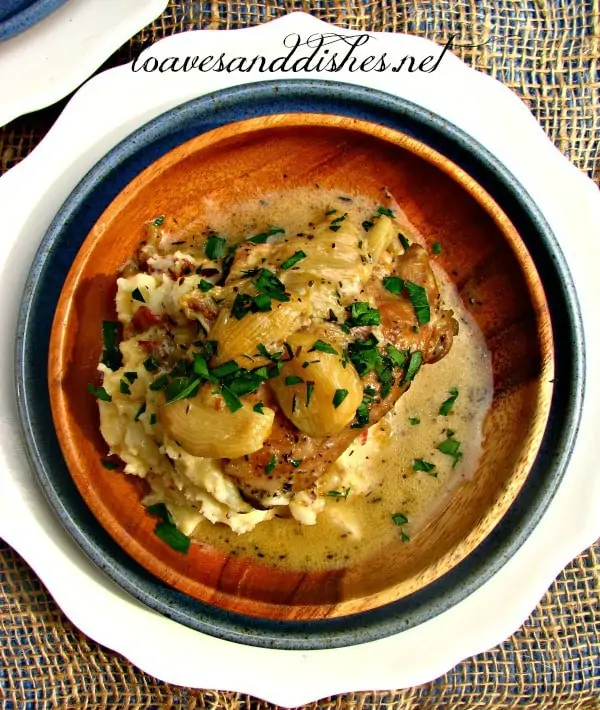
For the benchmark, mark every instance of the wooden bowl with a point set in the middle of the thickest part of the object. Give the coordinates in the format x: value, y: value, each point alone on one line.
x: 498, y: 281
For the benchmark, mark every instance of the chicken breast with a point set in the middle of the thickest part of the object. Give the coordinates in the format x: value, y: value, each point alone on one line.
x: 292, y: 461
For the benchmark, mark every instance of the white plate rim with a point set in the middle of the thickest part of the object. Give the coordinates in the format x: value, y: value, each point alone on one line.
x: 470, y: 625
x: 45, y: 62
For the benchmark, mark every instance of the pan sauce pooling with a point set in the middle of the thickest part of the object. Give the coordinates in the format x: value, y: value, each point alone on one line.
x: 248, y: 397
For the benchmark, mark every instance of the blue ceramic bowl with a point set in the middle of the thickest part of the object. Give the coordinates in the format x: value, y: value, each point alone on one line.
x: 16, y: 16
x: 101, y: 185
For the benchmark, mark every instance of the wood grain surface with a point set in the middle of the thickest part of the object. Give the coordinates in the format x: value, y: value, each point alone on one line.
x: 482, y: 252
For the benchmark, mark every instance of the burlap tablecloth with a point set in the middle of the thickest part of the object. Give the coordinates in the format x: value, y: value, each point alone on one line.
x: 549, y: 53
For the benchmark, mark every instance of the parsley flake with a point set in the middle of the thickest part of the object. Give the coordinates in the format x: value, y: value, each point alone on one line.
x: 361, y: 314
x: 151, y: 364
x: 447, y: 405
x: 109, y: 465
x: 393, y: 284
x: 422, y: 465
x: 323, y: 347
x: 214, y: 247
x: 418, y: 298
x: 339, y: 396
x: 100, y: 393
x: 451, y: 447
x: 293, y: 260
x: 111, y: 355
x: 136, y: 294
x: 414, y: 365
x: 271, y: 465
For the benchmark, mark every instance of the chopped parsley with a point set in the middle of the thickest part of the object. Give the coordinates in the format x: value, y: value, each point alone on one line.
x: 159, y: 383
x: 271, y: 465
x: 263, y: 236
x: 293, y: 380
x: 362, y: 413
x: 385, y: 211
x: 131, y: 376
x: 397, y: 357
x: 451, y: 447
x: 227, y: 368
x: 437, y: 248
x: 339, y: 494
x: 161, y: 511
x: 159, y: 220
x: 403, y: 240
x: 243, y: 304
x: 422, y: 465
x: 139, y: 412
x: 367, y: 224
x: 414, y: 420
x: 393, y: 284
x: 293, y: 260
x: 386, y: 378
x: 364, y: 355
x: 214, y: 247
x: 296, y: 463
x: 310, y: 388
x: 205, y: 285
x: 418, y: 298
x: 200, y: 368
x: 447, y: 405
x: 100, y: 393
x: 323, y: 347
x: 259, y: 408
x: 262, y: 350
x: 268, y: 284
x: 153, y: 419
x: 330, y: 212
x: 166, y: 529
x: 109, y: 465
x: 124, y: 387
x: 136, y: 294
x: 360, y: 314
x: 181, y: 388
x: 111, y: 355
x: 151, y: 364
x: 339, y: 396
x: 400, y: 521
x: 414, y: 365
x: 231, y: 400
x: 174, y: 538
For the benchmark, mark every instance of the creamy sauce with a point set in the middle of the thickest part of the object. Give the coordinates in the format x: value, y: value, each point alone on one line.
x: 378, y: 469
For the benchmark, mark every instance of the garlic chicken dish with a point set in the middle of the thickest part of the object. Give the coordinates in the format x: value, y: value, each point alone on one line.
x: 259, y: 377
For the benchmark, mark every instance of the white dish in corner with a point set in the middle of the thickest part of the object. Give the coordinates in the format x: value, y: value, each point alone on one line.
x: 50, y: 59
x: 110, y: 107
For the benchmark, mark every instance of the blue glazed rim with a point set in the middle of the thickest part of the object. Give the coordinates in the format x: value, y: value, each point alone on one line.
x: 99, y: 187
x: 27, y: 14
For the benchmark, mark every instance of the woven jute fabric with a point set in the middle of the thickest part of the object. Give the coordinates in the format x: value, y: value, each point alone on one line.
x: 549, y: 53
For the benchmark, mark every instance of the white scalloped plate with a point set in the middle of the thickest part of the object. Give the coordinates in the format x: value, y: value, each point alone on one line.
x: 50, y: 59
x: 112, y: 105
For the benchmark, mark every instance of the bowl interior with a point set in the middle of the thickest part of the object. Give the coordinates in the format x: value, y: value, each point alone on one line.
x: 482, y: 252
